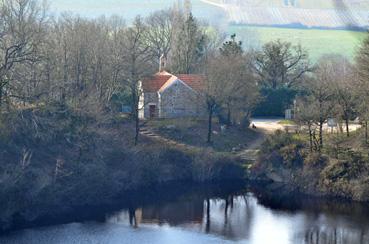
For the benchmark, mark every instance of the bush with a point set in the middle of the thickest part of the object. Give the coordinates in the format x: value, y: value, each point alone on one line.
x: 280, y: 139
x: 292, y: 157
x: 345, y: 169
x: 275, y: 101
x: 315, y: 159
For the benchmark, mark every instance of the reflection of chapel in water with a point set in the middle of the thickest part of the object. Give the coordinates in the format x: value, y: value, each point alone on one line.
x: 242, y: 218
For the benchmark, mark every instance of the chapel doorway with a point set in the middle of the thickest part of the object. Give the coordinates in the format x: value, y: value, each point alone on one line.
x: 152, y: 111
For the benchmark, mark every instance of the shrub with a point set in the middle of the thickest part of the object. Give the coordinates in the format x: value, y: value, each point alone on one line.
x: 280, y: 139
x: 275, y: 101
x: 291, y: 155
x: 349, y: 169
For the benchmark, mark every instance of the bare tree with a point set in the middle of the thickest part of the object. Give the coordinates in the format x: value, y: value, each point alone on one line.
x: 136, y: 64
x: 343, y: 80
x: 231, y: 85
x: 320, y: 91
x: 240, y: 90
x: 21, y: 28
x: 362, y: 72
x: 306, y: 115
x: 159, y: 35
x: 213, y: 90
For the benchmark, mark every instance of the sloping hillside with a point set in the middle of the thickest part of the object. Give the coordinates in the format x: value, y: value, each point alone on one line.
x: 306, y: 13
x: 317, y: 42
x: 316, y: 4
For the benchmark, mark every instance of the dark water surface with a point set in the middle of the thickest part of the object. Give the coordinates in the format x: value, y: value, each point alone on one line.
x: 214, y: 214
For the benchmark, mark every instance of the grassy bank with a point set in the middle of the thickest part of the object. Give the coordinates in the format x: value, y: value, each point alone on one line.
x: 193, y: 132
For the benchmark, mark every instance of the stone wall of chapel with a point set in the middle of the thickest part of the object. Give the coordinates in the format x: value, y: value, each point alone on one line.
x: 178, y: 100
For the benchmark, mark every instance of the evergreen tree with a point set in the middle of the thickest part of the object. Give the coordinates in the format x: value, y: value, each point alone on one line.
x: 188, y: 46
x: 231, y: 47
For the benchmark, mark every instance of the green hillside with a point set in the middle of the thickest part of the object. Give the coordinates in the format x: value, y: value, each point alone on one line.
x: 317, y: 42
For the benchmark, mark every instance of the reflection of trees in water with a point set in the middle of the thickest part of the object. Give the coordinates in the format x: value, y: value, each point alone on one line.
x: 207, y: 218
x: 230, y: 216
x: 132, y: 217
x: 323, y: 235
x: 239, y: 216
x: 175, y: 213
x: 290, y: 201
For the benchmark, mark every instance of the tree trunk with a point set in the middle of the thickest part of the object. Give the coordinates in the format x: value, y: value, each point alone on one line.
x: 137, y: 122
x: 1, y: 97
x: 135, y: 114
x: 274, y: 84
x: 310, y: 138
x: 321, y: 134
x: 347, y: 127
x: 229, y: 115
x: 210, y: 123
x: 366, y: 131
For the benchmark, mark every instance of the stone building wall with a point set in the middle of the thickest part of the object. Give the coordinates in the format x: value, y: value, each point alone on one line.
x: 179, y: 100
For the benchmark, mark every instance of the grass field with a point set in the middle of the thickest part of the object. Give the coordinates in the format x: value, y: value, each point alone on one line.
x: 316, y: 42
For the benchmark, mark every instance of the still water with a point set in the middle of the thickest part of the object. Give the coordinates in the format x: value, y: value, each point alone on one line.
x: 208, y: 215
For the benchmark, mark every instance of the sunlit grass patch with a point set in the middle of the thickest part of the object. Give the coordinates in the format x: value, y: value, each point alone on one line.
x: 316, y: 42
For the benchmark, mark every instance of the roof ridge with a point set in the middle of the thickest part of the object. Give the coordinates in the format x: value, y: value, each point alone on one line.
x: 172, y: 79
x: 161, y: 80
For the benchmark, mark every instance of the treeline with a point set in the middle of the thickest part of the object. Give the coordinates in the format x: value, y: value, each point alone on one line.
x: 334, y: 89
x: 72, y: 60
x: 337, y: 90
x: 93, y: 66
x: 317, y: 159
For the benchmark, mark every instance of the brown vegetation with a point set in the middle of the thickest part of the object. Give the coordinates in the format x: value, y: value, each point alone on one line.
x: 337, y: 171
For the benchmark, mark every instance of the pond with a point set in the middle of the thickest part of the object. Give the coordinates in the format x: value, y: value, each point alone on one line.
x: 213, y: 214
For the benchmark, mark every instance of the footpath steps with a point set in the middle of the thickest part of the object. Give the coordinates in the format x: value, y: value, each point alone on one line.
x: 249, y: 155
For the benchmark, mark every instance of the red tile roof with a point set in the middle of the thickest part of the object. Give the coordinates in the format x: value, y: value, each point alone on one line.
x: 157, y: 81
x: 168, y: 83
x: 193, y: 81
x: 154, y: 83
